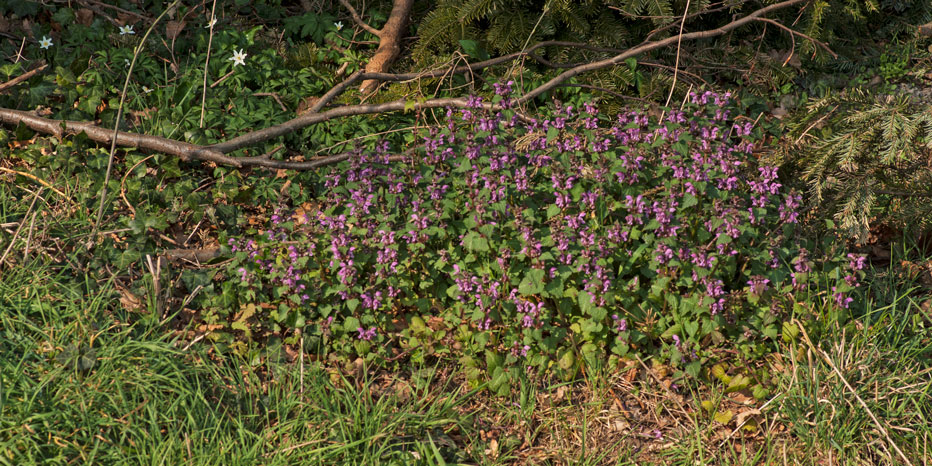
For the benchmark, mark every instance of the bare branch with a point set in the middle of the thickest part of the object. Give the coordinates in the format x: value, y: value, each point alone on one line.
x: 23, y: 77
x: 792, y: 32
x: 60, y: 128
x: 620, y: 58
x: 402, y: 77
x: 358, y: 19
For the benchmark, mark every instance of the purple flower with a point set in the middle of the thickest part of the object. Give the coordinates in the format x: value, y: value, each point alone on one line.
x: 620, y: 324
x: 366, y: 334
x: 758, y: 285
x: 840, y: 299
x: 856, y: 262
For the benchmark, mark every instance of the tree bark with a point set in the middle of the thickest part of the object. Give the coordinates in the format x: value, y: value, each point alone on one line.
x: 389, y: 40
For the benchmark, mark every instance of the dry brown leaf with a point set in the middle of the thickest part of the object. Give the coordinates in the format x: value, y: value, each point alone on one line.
x: 620, y: 425
x: 744, y: 415
x: 125, y: 18
x: 173, y: 28
x: 306, y: 104
x: 130, y: 301
x: 560, y: 394
x: 206, y: 328
x: 435, y: 323
x: 84, y: 16
x: 492, y: 451
x: 741, y: 398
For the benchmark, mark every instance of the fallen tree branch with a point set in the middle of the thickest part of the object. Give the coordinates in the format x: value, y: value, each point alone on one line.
x: 646, y: 47
x: 217, y: 153
x: 389, y: 42
x: 23, y: 77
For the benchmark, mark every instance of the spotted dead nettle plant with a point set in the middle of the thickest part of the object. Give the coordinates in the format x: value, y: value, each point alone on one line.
x: 534, y: 243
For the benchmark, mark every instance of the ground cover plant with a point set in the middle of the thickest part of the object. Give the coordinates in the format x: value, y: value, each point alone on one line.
x: 544, y: 244
x: 327, y: 233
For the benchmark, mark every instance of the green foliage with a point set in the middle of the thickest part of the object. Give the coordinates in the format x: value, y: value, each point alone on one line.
x: 865, y: 159
x: 504, y: 27
x: 311, y: 26
x: 551, y: 246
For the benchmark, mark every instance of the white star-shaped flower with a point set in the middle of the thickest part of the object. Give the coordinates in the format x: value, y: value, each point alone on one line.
x: 239, y: 57
x: 211, y: 23
x: 338, y: 25
x: 126, y: 60
x: 128, y: 29
x: 146, y: 89
x: 45, y: 43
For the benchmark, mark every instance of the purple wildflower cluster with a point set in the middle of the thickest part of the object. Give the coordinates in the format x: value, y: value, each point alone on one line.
x: 527, y: 230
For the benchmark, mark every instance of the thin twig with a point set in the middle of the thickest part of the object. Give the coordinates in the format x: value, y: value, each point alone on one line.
x: 797, y: 33
x: 358, y: 19
x: 113, y: 7
x: 222, y: 79
x: 38, y: 180
x: 123, y: 184
x: 801, y: 136
x: 676, y: 64
x: 32, y: 224
x: 274, y: 96
x: 210, y: 40
x: 646, y: 47
x: 23, y: 77
x: 116, y: 124
x: 35, y: 197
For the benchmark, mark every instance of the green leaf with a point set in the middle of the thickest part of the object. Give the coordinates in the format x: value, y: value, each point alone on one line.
x: 724, y: 417
x: 790, y: 332
x: 532, y: 283
x: 691, y: 328
x: 688, y: 201
x: 474, y: 50
x: 475, y: 242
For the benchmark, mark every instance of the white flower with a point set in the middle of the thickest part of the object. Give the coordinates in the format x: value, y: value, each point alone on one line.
x: 126, y: 60
x: 45, y: 43
x: 128, y: 29
x: 146, y: 89
x: 211, y: 24
x: 239, y: 57
x: 338, y: 25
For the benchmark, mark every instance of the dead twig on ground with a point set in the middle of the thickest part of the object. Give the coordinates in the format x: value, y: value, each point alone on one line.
x: 23, y: 77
